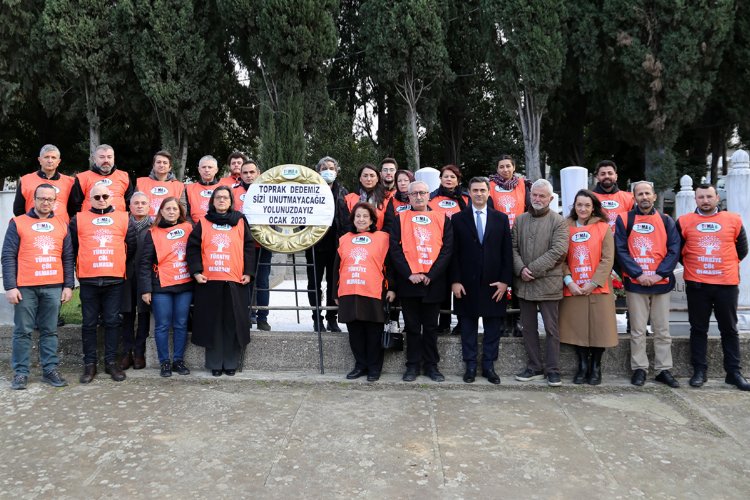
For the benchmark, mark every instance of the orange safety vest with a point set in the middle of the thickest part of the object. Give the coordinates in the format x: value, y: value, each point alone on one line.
x: 353, y: 198
x: 117, y: 183
x: 239, y: 193
x: 585, y: 253
x: 158, y: 190
x: 63, y: 185
x: 170, y: 243
x: 198, y: 197
x: 362, y: 257
x: 102, y: 250
x: 222, y: 249
x: 617, y: 205
x: 647, y: 243
x: 228, y: 181
x: 446, y: 205
x: 400, y: 206
x: 511, y: 203
x: 421, y: 238
x: 40, y: 250
x: 710, y: 251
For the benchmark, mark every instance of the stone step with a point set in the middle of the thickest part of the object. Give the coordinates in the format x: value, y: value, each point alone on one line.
x: 298, y: 351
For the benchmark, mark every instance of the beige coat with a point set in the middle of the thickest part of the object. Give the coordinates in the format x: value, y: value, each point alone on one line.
x: 600, y: 330
x: 541, y: 244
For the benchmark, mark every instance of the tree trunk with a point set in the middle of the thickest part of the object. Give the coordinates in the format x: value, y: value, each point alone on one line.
x: 531, y: 120
x: 92, y: 116
x: 412, y: 141
x: 182, y: 162
x: 716, y: 136
x: 653, y: 154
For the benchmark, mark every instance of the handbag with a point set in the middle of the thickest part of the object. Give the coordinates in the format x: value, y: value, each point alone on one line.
x: 391, y: 341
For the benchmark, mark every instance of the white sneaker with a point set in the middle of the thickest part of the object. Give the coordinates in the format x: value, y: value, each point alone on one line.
x: 393, y: 327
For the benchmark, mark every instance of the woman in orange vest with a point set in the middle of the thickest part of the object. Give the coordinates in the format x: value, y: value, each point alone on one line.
x: 359, y: 271
x: 449, y: 198
x: 587, y: 311
x: 370, y: 190
x: 220, y: 256
x: 165, y: 282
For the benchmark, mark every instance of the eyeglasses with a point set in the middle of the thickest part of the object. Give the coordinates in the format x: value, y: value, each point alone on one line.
x: 99, y: 197
x: 221, y: 198
x: 419, y: 193
x: 387, y: 170
x: 44, y: 200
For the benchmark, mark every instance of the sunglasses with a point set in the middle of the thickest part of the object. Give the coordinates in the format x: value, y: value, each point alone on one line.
x: 99, y: 197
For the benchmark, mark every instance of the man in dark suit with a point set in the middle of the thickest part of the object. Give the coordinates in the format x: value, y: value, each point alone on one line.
x: 480, y: 272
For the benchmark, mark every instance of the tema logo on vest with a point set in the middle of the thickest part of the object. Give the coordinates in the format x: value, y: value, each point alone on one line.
x: 708, y: 227
x: 103, y: 182
x: 501, y: 190
x: 159, y: 191
x: 447, y: 204
x: 361, y: 240
x: 103, y: 221
x: 175, y: 234
x: 643, y: 228
x: 610, y: 204
x: 421, y: 219
x: 581, y: 237
x: 42, y: 227
x: 222, y: 227
x: 206, y: 193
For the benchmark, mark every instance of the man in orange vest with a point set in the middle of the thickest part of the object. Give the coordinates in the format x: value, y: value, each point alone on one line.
x: 197, y: 194
x: 617, y: 203
x: 103, y: 240
x: 388, y: 168
x: 49, y: 160
x: 420, y: 248
x: 37, y: 263
x: 234, y: 163
x: 160, y: 183
x: 647, y: 247
x: 102, y: 173
x: 713, y: 244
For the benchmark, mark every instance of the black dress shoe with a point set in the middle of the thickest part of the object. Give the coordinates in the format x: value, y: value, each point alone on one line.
x: 333, y: 326
x: 114, y: 371
x: 699, y: 378
x: 230, y: 371
x: 373, y: 377
x: 491, y: 376
x: 216, y: 373
x: 736, y: 379
x: 470, y: 375
x: 435, y: 375
x: 665, y: 377
x: 410, y: 376
x: 639, y: 377
x: 89, y: 372
x: 356, y: 373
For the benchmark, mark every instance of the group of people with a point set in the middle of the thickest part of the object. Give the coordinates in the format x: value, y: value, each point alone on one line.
x: 164, y: 247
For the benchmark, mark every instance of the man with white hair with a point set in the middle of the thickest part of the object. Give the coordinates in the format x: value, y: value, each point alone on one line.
x: 197, y: 194
x: 49, y: 160
x: 540, y: 244
x: 420, y: 250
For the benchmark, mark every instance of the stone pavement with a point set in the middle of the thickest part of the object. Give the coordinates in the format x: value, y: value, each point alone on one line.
x: 298, y: 435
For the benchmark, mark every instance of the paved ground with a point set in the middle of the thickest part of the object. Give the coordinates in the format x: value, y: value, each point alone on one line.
x: 264, y: 435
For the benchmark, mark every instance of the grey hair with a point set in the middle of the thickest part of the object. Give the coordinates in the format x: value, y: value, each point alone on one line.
x: 103, y: 146
x: 209, y: 158
x: 413, y: 183
x: 543, y: 183
x: 140, y: 193
x: 326, y: 159
x: 47, y: 148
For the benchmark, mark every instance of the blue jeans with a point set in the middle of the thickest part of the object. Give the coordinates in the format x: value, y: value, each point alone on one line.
x: 262, y: 296
x: 39, y: 307
x: 170, y: 310
x: 105, y: 300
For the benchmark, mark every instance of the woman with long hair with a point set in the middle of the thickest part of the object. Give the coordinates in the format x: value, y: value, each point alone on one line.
x: 587, y: 312
x: 370, y: 190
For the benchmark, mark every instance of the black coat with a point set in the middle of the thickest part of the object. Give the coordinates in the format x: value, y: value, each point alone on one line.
x: 438, y: 273
x: 475, y: 265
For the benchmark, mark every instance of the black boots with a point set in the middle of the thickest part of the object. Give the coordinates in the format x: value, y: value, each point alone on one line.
x: 583, y: 365
x: 595, y: 378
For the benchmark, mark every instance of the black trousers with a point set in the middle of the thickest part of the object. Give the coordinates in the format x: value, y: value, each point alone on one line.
x: 420, y: 322
x: 490, y: 340
x: 702, y: 298
x: 105, y: 300
x: 323, y: 267
x: 134, y: 338
x: 364, y: 340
